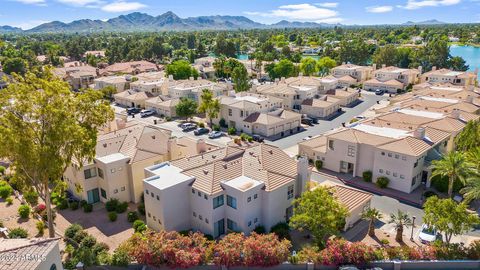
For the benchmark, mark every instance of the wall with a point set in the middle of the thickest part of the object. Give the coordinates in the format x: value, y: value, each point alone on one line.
x: 53, y: 257
x: 275, y: 204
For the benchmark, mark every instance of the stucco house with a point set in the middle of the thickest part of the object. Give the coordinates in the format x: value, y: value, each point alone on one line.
x: 463, y: 78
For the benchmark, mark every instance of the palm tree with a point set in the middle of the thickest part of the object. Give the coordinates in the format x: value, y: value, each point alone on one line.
x: 209, y: 105
x: 454, y: 166
x: 372, y: 215
x: 471, y: 191
x: 400, y: 220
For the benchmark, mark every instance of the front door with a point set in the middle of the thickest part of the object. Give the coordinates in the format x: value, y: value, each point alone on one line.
x: 288, y: 213
x: 219, y: 228
x: 93, y: 196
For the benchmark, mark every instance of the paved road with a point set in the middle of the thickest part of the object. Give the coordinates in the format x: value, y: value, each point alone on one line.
x: 323, y: 126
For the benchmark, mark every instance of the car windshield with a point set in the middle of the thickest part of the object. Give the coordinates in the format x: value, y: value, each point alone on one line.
x: 428, y: 230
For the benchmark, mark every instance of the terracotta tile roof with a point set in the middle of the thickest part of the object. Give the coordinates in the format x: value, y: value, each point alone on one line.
x: 447, y: 124
x: 347, y: 78
x: 303, y: 81
x: 349, y: 197
x: 325, y: 101
x: 391, y: 82
x: 271, y: 117
x: 408, y: 146
x: 356, y: 136
x: 25, y: 247
x: 131, y: 67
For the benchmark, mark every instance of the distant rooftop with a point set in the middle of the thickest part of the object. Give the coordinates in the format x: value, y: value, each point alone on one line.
x: 427, y: 114
x: 447, y: 100
x: 166, y: 175
x: 243, y: 183
x: 112, y: 158
x: 382, y: 131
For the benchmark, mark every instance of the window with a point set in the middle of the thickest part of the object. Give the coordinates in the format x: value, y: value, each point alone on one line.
x: 389, y: 154
x: 383, y: 153
x: 146, y: 191
x: 217, y: 201
x: 387, y: 172
x: 330, y: 145
x: 149, y: 215
x: 193, y: 191
x: 255, y: 196
x: 154, y: 218
x: 241, y: 113
x: 404, y: 158
x: 200, y: 217
x: 397, y: 156
x: 206, y: 220
x: 153, y: 195
x: 194, y: 214
x: 229, y: 112
x: 290, y: 192
x: 395, y: 174
x: 249, y: 223
x: 89, y: 173
x: 249, y: 199
x: 205, y: 196
x: 415, y: 165
x: 122, y: 188
x: 351, y: 151
x: 158, y: 198
x: 119, y: 169
x: 104, y: 193
x: 402, y: 176
x: 100, y: 173
x: 231, y: 225
x: 199, y: 194
x: 232, y: 202
x: 380, y: 170
x: 53, y: 267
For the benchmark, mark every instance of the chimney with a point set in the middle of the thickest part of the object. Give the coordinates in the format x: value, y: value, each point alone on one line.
x: 76, y: 64
x: 282, y: 79
x: 190, y: 78
x: 384, y: 66
x: 469, y: 99
x: 419, y: 133
x: 97, y: 71
x: 420, y: 69
x: 276, y: 80
x: 170, y: 78
x: 456, y: 114
x: 343, y: 63
x: 253, y: 89
x: 300, y: 74
x: 434, y: 68
x: 374, y: 66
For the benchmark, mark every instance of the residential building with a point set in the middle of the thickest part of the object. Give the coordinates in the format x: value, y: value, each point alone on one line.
x: 133, y: 68
x: 358, y: 73
x: 293, y: 93
x: 98, y: 54
x: 120, y: 83
x: 162, y: 105
x: 204, y: 66
x: 324, y: 107
x: 154, y: 87
x: 193, y: 89
x: 392, y: 79
x: 346, y: 96
x: 235, y: 188
x: 121, y: 155
x: 78, y: 75
x: 463, y: 78
x: 31, y: 254
x: 131, y: 98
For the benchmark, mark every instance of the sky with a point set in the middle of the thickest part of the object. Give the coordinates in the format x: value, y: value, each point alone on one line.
x: 29, y: 13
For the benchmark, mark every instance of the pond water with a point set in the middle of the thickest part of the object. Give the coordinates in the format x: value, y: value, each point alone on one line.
x: 470, y: 54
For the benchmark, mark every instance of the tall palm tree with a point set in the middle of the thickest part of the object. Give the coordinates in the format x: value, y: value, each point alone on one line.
x: 209, y: 105
x: 454, y: 166
x: 372, y: 215
x: 471, y: 190
x: 400, y: 220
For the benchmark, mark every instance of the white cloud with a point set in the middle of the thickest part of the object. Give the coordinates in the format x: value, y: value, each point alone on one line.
x: 83, y: 3
x: 379, y: 9
x: 416, y: 4
x: 122, y: 6
x: 327, y: 4
x: 32, y: 2
x: 300, y: 12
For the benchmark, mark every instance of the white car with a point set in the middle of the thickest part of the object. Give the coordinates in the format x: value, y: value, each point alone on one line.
x: 146, y: 113
x: 307, y: 138
x: 215, y: 134
x: 427, y: 234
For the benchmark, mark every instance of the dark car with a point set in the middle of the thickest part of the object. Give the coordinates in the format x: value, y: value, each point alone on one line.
x: 379, y: 92
x: 307, y: 121
x: 133, y: 110
x: 201, y: 131
x: 188, y: 127
x: 258, y: 138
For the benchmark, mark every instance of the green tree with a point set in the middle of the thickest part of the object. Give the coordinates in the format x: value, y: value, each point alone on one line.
x: 386, y: 55
x: 454, y: 166
x: 209, y: 105
x: 372, y: 215
x: 401, y: 219
x: 320, y: 213
x: 56, y: 126
x: 457, y: 63
x: 284, y: 68
x: 308, y: 66
x: 187, y: 108
x: 15, y: 65
x: 449, y: 217
x: 468, y: 138
x: 325, y: 64
x: 108, y: 92
x: 240, y: 79
x: 181, y: 70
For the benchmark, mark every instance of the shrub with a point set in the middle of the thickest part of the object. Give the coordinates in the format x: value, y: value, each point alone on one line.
x: 384, y: 241
x: 341, y: 252
x: 24, y: 211
x: 139, y: 226
x: 228, y: 251
x: 100, y: 247
x: 31, y: 197
x: 216, y: 127
x: 282, y: 230
x: 78, y: 237
x: 441, y: 184
x: 5, y: 190
x: 111, y: 205
x: 88, y: 241
x: 318, y: 164
x: 141, y: 209
x: 222, y: 123
x: 62, y: 204
x: 9, y: 201
x: 83, y: 203
x: 72, y: 230
x: 260, y: 229
x: 2, y: 170
x: 201, y: 125
x: 121, y: 257
x: 121, y: 207
x: 231, y: 131
x: 40, y: 227
x: 265, y: 250
x: 112, y: 216
x: 132, y: 216
x: 40, y: 208
x: 74, y: 205
x: 367, y: 176
x: 18, y: 233
x: 382, y: 182
x: 87, y: 208
x: 168, y: 118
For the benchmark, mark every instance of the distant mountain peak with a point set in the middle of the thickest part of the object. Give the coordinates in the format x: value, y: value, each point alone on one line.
x: 427, y: 22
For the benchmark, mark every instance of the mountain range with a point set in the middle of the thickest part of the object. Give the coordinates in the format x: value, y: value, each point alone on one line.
x: 168, y: 21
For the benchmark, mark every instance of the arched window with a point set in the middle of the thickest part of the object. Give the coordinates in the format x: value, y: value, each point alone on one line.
x: 53, y: 267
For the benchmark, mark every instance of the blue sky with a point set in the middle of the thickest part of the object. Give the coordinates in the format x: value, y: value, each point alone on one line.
x: 29, y: 13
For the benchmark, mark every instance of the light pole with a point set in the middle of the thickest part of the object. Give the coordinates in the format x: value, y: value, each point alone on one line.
x: 413, y: 226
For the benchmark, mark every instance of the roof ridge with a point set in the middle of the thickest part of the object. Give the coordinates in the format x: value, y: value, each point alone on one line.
x: 31, y: 244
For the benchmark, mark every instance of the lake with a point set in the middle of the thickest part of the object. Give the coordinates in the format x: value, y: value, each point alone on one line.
x: 470, y: 54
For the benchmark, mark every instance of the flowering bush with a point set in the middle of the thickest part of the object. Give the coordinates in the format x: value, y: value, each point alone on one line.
x: 265, y: 250
x: 228, y: 251
x: 40, y: 208
x: 309, y: 254
x: 340, y: 252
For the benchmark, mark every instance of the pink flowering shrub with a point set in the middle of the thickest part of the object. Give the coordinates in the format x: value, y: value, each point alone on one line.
x: 228, y: 251
x: 340, y: 252
x: 265, y: 250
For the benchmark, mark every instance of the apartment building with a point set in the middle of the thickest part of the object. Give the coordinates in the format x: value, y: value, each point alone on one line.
x: 120, y: 83
x: 155, y: 87
x: 121, y: 156
x: 462, y: 78
x: 133, y: 68
x: 235, y: 188
x: 192, y: 88
x: 204, y: 66
x: 78, y: 75
x: 399, y: 144
x: 131, y: 98
x: 258, y: 114
x: 347, y: 71
x: 292, y: 94
x: 392, y: 79
x: 347, y: 96
x: 324, y: 107
x: 163, y: 105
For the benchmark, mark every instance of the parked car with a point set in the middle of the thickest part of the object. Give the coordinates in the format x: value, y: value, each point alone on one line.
x: 215, y: 134
x: 379, y: 92
x: 258, y: 138
x: 427, y: 234
x: 133, y: 110
x: 147, y: 113
x: 201, y: 131
x: 307, y: 121
x: 307, y: 138
x: 186, y: 127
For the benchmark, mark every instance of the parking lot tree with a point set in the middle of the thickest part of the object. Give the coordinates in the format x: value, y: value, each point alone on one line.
x: 320, y: 213
x: 400, y: 220
x: 187, y: 108
x: 449, y: 217
x: 371, y: 215
x: 209, y: 105
x: 44, y: 126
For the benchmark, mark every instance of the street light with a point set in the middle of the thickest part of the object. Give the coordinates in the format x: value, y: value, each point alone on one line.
x: 413, y: 226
